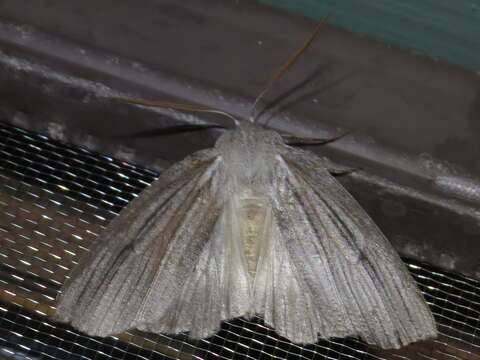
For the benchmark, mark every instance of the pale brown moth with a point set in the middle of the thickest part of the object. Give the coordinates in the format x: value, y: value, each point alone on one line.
x: 249, y: 227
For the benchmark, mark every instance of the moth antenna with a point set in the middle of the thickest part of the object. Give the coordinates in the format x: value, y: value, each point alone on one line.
x: 176, y: 106
x: 286, y: 66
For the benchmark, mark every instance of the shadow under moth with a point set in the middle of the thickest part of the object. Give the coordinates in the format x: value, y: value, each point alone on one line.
x: 252, y: 226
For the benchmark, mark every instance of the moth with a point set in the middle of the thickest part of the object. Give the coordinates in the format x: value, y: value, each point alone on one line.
x: 252, y: 226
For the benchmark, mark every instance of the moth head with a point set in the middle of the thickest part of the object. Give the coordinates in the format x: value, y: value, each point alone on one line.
x: 248, y: 137
x: 247, y: 154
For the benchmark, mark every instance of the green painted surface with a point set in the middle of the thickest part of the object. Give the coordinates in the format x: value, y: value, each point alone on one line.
x: 447, y: 30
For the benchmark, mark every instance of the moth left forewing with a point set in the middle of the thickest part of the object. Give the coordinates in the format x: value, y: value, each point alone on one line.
x: 337, y: 263
x: 162, y: 264
x: 219, y: 288
x: 216, y: 290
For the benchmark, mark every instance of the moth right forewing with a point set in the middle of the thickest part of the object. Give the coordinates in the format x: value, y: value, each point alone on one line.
x: 280, y: 296
x: 318, y: 168
x: 369, y: 291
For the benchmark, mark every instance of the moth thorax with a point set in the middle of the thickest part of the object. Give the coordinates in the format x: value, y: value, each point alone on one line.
x: 253, y: 211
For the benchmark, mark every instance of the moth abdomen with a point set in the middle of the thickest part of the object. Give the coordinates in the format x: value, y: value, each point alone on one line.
x: 253, y: 215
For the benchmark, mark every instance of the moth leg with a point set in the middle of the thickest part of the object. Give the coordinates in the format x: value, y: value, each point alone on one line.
x: 299, y: 140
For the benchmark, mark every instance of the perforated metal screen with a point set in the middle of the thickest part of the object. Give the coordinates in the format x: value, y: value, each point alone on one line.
x: 54, y: 200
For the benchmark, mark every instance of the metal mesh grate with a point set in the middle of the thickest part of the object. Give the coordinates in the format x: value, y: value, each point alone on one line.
x: 54, y: 199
